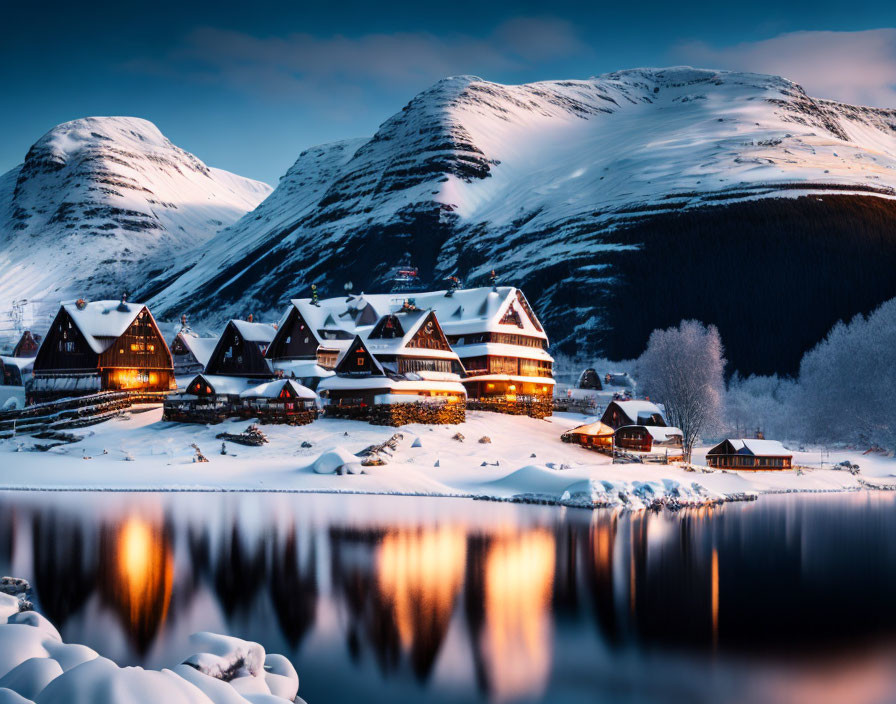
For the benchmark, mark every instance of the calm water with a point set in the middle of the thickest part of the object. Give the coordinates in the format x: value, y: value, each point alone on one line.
x: 446, y: 600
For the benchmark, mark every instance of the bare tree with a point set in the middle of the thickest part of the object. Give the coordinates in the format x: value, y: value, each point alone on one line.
x: 683, y: 369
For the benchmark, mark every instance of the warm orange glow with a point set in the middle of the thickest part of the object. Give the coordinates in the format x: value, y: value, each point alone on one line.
x: 715, y: 597
x: 512, y: 387
x: 490, y: 386
x: 143, y: 573
x: 519, y: 575
x: 420, y: 574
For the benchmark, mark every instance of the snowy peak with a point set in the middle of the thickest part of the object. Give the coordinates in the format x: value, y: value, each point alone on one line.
x: 101, y: 201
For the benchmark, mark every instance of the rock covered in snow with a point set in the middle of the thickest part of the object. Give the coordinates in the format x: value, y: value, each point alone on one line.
x: 37, y: 667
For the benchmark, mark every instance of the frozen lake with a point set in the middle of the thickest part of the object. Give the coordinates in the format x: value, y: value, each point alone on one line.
x: 405, y: 599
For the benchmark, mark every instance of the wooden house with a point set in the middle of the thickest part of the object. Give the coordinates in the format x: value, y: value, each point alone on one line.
x: 281, y: 401
x: 750, y: 454
x: 621, y: 413
x: 494, y: 331
x: 191, y: 352
x: 594, y: 436
x: 101, y: 346
x: 240, y: 351
x: 27, y: 345
x: 650, y: 439
x: 208, y: 398
x: 404, y: 358
x: 309, y: 340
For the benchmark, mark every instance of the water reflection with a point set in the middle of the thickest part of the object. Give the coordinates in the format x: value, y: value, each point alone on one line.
x: 479, y: 601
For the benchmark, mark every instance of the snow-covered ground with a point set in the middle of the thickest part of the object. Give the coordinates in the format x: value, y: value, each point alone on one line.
x: 525, y: 459
x: 36, y: 666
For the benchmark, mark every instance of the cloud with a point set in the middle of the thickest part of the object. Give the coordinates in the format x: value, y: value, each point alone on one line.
x: 302, y: 65
x: 854, y: 67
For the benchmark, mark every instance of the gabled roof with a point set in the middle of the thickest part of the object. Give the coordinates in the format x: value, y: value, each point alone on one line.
x: 634, y: 410
x: 201, y: 347
x: 596, y: 429
x: 752, y: 446
x: 21, y: 363
x: 464, y: 311
x: 224, y: 385
x: 254, y: 332
x: 411, y: 321
x: 272, y: 389
x: 103, y: 322
x: 358, y: 340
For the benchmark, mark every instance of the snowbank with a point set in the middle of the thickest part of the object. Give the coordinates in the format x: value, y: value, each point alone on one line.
x: 37, y: 667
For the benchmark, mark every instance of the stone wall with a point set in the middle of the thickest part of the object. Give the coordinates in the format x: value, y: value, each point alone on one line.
x: 533, y: 407
x: 396, y: 414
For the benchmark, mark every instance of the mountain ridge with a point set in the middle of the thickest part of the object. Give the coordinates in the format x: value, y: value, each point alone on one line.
x: 562, y: 187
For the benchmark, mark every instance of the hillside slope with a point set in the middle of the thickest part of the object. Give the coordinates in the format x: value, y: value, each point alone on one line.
x: 101, y: 203
x: 563, y: 187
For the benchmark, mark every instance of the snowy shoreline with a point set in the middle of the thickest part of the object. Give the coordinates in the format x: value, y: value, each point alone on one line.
x: 498, y: 457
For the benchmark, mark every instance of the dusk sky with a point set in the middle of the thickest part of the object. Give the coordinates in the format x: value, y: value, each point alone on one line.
x: 247, y: 86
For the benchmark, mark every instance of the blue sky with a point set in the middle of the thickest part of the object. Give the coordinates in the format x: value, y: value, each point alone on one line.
x: 246, y: 86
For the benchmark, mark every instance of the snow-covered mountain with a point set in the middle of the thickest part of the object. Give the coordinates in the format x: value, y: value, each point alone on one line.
x: 102, y: 202
x: 619, y: 203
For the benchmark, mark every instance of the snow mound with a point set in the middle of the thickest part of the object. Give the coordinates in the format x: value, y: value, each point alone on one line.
x: 336, y: 460
x: 532, y: 479
x: 37, y: 667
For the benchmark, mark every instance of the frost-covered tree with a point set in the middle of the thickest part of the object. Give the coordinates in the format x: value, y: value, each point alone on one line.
x: 847, y: 384
x: 683, y: 369
x: 764, y: 403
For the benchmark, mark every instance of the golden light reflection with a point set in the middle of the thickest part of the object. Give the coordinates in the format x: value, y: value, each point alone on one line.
x: 519, y: 575
x: 715, y: 597
x: 420, y: 573
x: 141, y: 576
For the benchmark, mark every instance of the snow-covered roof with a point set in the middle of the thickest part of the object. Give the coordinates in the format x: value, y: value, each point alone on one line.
x: 103, y: 322
x: 20, y: 362
x: 201, y: 347
x: 301, y: 368
x: 662, y: 433
x: 380, y: 382
x: 254, y: 332
x: 500, y: 349
x: 752, y: 446
x: 225, y: 385
x: 597, y: 429
x: 635, y: 410
x: 465, y: 311
x: 272, y: 389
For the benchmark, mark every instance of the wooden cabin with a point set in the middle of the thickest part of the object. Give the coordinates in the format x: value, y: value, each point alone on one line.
x: 620, y: 413
x: 589, y: 380
x: 308, y: 343
x: 405, y: 358
x: 208, y: 398
x: 594, y: 436
x: 493, y: 330
x: 191, y: 352
x: 282, y: 401
x: 241, y: 349
x: 101, y: 346
x: 27, y: 345
x: 750, y: 454
x: 650, y: 439
x: 16, y: 371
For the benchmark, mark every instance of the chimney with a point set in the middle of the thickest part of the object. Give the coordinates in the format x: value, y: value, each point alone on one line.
x: 249, y: 318
x: 123, y: 306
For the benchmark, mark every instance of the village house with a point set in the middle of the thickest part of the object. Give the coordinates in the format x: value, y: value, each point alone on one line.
x: 101, y: 346
x: 240, y: 351
x: 400, y: 371
x: 749, y: 454
x: 236, y: 364
x: 310, y: 338
x: 641, y: 427
x: 594, y: 436
x: 191, y: 352
x: 27, y: 345
x: 16, y: 371
x: 494, y: 331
